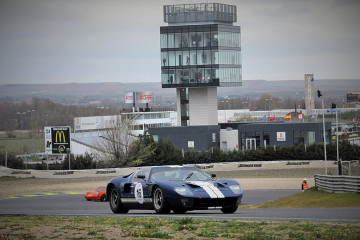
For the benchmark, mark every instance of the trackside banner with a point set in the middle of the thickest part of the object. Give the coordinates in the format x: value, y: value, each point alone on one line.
x: 57, y: 140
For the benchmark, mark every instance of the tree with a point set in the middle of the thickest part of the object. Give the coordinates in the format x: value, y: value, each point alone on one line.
x: 142, y: 151
x: 114, y: 144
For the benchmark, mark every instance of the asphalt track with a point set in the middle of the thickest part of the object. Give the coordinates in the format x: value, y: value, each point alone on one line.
x: 71, y: 204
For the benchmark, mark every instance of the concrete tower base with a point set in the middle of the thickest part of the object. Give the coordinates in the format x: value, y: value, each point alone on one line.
x: 202, y: 107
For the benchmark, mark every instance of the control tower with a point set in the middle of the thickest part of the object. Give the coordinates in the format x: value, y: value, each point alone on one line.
x: 200, y: 51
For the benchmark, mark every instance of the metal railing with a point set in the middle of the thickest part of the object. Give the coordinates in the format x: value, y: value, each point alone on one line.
x: 337, y: 184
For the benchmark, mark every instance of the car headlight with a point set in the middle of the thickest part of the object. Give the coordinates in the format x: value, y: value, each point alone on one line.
x: 235, y: 189
x: 183, y: 191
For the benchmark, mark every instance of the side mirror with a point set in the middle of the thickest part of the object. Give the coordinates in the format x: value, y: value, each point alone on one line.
x: 141, y: 176
x: 213, y: 175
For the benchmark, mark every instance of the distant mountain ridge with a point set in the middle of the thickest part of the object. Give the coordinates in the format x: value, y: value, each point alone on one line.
x: 94, y: 91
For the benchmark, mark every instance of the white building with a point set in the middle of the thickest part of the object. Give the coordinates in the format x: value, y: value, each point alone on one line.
x: 88, y: 131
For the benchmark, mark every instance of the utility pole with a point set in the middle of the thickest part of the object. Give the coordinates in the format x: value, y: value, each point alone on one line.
x: 333, y: 106
x: 323, y: 112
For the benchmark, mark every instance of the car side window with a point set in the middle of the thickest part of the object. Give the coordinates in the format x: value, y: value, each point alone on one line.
x: 141, y: 172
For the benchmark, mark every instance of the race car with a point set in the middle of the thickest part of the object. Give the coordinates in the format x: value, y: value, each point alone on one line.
x: 176, y: 188
x: 98, y: 194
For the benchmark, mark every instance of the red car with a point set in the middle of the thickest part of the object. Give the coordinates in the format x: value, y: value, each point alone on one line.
x: 98, y: 194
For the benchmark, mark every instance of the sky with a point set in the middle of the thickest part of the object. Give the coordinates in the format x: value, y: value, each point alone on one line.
x: 85, y: 41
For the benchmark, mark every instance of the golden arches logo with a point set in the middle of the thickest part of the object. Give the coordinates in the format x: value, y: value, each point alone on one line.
x: 61, y: 136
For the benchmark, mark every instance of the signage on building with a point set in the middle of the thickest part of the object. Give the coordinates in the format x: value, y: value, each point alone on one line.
x: 57, y: 140
x: 353, y: 97
x: 88, y: 123
x: 129, y: 97
x: 191, y: 144
x: 145, y: 97
x: 140, y: 97
x: 95, y: 123
x: 213, y: 137
x: 280, y: 136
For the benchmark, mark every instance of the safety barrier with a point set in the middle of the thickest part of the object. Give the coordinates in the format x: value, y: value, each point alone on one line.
x: 337, y: 184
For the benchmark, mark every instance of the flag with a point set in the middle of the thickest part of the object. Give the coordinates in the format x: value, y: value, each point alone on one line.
x: 287, y: 116
x: 300, y: 116
x: 263, y: 118
x: 273, y: 118
x: 313, y: 116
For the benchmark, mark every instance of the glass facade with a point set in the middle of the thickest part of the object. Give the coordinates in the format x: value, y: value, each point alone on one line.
x: 200, y: 55
x: 199, y: 12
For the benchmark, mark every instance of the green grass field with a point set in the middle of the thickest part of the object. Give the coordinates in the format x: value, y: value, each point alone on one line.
x: 23, y: 143
x: 48, y: 227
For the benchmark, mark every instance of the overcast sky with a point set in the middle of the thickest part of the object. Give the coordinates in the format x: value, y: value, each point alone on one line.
x: 62, y: 41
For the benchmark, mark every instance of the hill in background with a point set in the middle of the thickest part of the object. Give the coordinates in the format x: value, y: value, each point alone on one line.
x: 78, y: 93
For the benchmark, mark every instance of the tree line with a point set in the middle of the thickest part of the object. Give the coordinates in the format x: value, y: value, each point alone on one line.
x: 37, y: 113
x: 146, y: 152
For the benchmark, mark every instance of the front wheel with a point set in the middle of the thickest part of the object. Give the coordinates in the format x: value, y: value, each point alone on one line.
x: 115, y: 202
x: 161, y: 205
x: 229, y: 209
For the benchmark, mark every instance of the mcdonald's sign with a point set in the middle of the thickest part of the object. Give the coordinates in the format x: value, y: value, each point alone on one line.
x: 57, y: 140
x: 60, y: 137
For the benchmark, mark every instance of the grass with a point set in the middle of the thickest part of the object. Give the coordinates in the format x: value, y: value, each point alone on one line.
x: 22, y: 145
x: 312, y: 198
x: 49, y: 227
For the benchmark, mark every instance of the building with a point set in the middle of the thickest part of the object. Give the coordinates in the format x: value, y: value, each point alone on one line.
x: 200, y: 51
x: 88, y: 131
x: 246, y: 136
x: 309, y: 92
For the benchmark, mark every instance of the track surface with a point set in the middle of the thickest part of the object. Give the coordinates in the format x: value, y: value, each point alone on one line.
x: 75, y: 204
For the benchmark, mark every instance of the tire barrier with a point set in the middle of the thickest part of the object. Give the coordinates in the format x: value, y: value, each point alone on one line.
x: 337, y: 184
x: 213, y: 167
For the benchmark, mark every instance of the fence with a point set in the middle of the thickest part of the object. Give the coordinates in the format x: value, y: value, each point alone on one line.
x: 337, y: 184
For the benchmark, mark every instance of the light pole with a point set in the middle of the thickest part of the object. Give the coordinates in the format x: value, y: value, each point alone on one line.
x: 333, y: 106
x: 322, y: 104
x: 265, y: 103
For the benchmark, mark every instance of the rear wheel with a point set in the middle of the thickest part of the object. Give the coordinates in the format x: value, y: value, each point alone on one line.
x: 229, y: 209
x: 161, y: 205
x: 115, y: 202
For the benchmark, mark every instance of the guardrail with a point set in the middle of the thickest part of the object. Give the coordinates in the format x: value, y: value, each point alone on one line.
x: 337, y: 184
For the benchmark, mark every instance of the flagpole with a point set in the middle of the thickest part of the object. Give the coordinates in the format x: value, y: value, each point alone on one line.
x: 323, y: 112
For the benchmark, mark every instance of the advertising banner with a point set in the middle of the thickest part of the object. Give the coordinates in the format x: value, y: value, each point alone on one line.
x: 88, y: 123
x: 111, y: 121
x: 281, y: 136
x: 57, y: 140
x: 129, y: 97
x: 145, y: 97
x: 48, y: 140
x: 353, y: 97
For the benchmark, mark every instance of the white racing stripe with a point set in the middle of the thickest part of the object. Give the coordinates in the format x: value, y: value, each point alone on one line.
x: 217, y: 191
x: 209, y: 188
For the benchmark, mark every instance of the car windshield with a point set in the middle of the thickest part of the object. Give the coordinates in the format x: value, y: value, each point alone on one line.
x: 178, y: 174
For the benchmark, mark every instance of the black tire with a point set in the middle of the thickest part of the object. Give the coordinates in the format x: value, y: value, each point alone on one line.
x: 103, y: 198
x: 115, y: 202
x: 179, y: 210
x: 88, y: 199
x: 160, y: 203
x: 229, y: 209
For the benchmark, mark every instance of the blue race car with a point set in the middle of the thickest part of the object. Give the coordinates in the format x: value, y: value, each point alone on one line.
x: 176, y: 188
